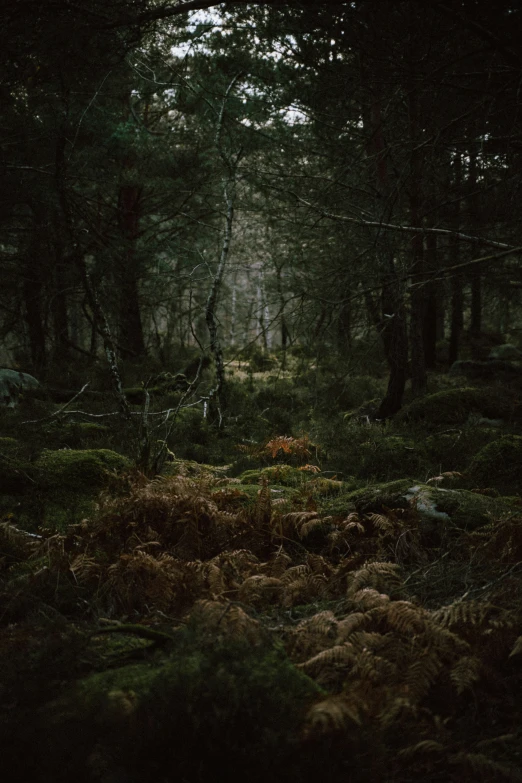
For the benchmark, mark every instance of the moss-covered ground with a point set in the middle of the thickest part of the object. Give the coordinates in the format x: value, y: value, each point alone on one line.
x: 302, y: 594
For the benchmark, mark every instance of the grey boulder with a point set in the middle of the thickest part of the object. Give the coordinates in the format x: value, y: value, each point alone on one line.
x: 12, y: 384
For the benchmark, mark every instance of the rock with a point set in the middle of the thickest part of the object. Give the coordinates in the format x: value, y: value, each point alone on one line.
x: 455, y: 405
x: 440, y: 510
x: 370, y: 499
x: 455, y: 508
x: 506, y: 352
x: 285, y: 475
x: 499, y: 464
x: 78, y: 471
x: 14, y: 383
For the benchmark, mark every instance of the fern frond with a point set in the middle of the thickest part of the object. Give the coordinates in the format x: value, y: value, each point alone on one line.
x: 85, y: 568
x: 311, y: 526
x: 478, y: 614
x: 313, y: 635
x: 216, y: 581
x: 384, y: 577
x: 396, y: 709
x: 466, y: 672
x: 298, y: 447
x: 405, y: 617
x: 372, y: 668
x: 319, y: 564
x: 381, y: 523
x: 322, y: 625
x: 310, y: 468
x: 305, y: 589
x: 282, y: 443
x: 517, y: 647
x: 334, y: 714
x: 294, y: 573
x: 259, y: 590
x: 340, y: 655
x: 352, y: 523
x: 367, y: 599
x: 263, y: 507
x: 422, y: 673
x: 423, y: 747
x: 350, y: 624
x: 279, y: 564
x: 367, y: 640
x: 448, y: 474
x: 484, y: 768
x: 354, y: 527
x: 295, y: 521
x: 228, y: 619
x: 14, y: 536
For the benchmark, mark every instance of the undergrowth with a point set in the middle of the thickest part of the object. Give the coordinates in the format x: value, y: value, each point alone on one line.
x: 282, y: 617
x: 273, y: 640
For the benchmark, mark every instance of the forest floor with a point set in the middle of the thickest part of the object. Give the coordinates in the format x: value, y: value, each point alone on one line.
x: 303, y: 595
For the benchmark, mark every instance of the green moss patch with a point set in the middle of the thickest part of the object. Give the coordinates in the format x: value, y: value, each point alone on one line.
x: 499, y: 465
x: 76, y: 470
x: 453, y: 406
x: 211, y: 704
x: 286, y: 475
x: 389, y: 457
x: 458, y: 508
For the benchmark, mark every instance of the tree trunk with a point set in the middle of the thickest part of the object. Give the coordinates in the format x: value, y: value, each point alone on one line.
x: 457, y: 320
x: 395, y: 339
x: 475, y: 325
x: 130, y: 332
x: 60, y: 314
x: 35, y: 272
x: 32, y: 294
x: 433, y: 322
x: 392, y: 324
x: 457, y: 294
x: 344, y: 329
x: 419, y: 380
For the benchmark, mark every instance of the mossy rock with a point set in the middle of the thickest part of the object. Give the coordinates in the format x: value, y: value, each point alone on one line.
x: 451, y: 508
x: 453, y: 406
x: 506, y: 352
x: 276, y: 474
x: 321, y: 486
x: 78, y: 471
x: 75, y: 434
x: 458, y: 508
x: 89, y: 429
x: 222, y: 705
x: 390, y: 457
x: 277, y: 492
x: 372, y: 498
x: 499, y: 465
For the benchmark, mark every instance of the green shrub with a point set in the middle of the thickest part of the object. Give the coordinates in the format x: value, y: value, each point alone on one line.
x: 368, y: 451
x: 211, y: 705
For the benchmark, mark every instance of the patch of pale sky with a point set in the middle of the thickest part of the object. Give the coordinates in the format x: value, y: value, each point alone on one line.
x: 290, y: 114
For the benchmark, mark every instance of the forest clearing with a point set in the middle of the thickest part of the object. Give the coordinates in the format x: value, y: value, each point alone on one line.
x: 261, y: 391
